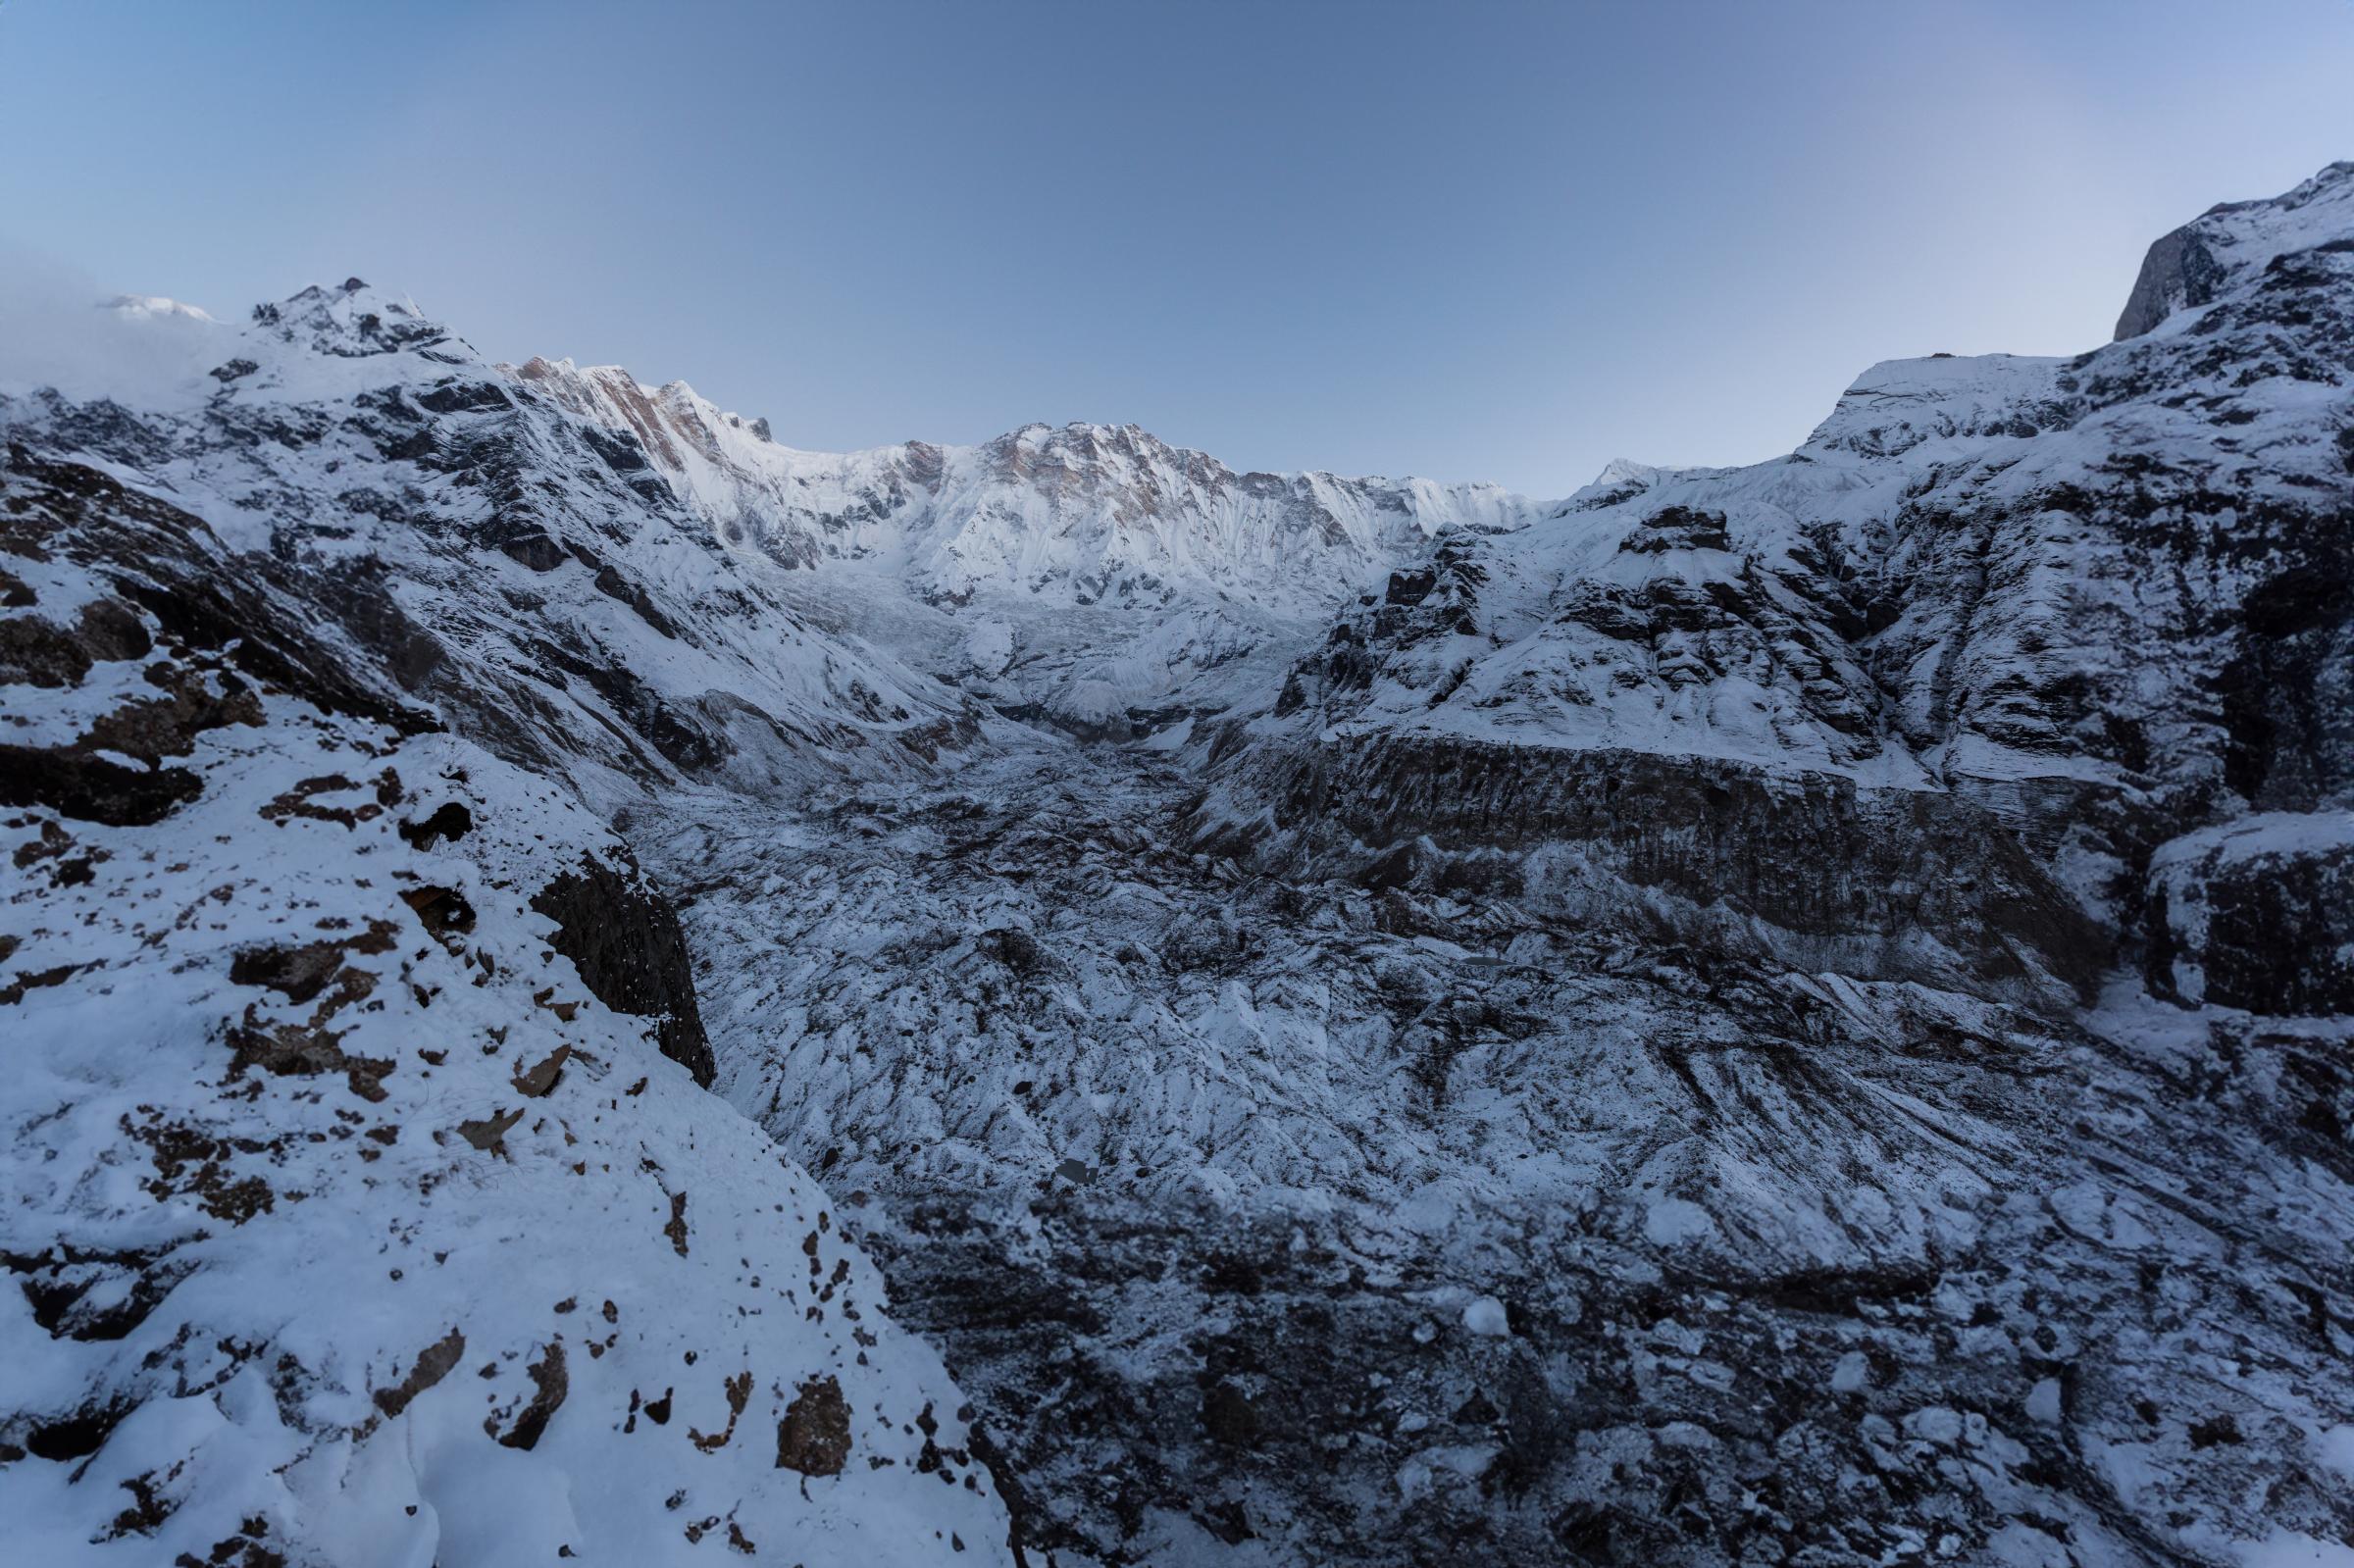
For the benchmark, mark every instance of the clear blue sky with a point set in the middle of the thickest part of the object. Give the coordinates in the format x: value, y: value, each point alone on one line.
x: 1468, y: 240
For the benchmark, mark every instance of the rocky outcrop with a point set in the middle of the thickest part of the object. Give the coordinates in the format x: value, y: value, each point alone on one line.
x: 624, y: 938
x: 1884, y: 885
x: 2178, y: 273
x: 2257, y: 915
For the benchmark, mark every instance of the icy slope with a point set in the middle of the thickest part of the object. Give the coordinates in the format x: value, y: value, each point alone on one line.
x: 363, y: 1206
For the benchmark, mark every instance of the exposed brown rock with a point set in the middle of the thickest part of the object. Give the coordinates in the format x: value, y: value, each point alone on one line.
x: 740, y: 1394
x: 489, y: 1133
x: 550, y: 1384
x: 538, y: 1080
x: 814, y: 1437
x: 301, y: 972
x: 300, y: 1050
x: 434, y: 1363
x: 443, y: 911
x: 300, y: 801
x: 91, y: 788
x: 450, y: 823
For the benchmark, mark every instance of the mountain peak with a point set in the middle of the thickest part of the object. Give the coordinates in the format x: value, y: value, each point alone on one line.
x: 1626, y: 471
x: 352, y: 321
x: 2188, y: 267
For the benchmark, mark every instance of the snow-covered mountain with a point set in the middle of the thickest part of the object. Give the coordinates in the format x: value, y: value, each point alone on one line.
x: 1794, y: 1013
x: 332, y: 1038
x: 496, y: 554
x: 2061, y: 608
x: 337, y: 1019
x: 149, y: 307
x: 2230, y: 244
x: 1091, y: 575
x: 1077, y: 516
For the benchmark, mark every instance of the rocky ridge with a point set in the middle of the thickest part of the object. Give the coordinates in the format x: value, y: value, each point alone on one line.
x: 331, y: 1032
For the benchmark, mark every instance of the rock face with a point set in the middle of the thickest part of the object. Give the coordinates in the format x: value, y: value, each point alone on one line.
x: 1886, y: 884
x: 2258, y: 915
x: 2180, y: 273
x: 624, y: 938
x: 2189, y: 267
x: 1796, y: 1013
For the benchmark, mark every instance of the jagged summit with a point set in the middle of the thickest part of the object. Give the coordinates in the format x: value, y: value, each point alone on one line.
x: 1182, y: 566
x: 353, y: 321
x: 2188, y: 267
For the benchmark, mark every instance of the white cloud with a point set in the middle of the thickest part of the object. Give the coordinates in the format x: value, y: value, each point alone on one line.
x: 60, y: 328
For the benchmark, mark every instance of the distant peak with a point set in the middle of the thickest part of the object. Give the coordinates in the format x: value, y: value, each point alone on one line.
x: 1626, y: 471
x: 353, y: 321
x: 669, y: 419
x: 1083, y: 436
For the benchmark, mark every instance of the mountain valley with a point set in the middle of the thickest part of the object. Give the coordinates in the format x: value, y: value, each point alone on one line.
x: 1054, y: 1002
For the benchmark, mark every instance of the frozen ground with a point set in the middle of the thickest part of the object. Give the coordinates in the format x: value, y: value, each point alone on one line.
x: 1194, y: 1177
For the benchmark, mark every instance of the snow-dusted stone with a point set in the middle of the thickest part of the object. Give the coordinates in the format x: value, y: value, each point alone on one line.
x: 2257, y: 913
x: 1485, y: 1316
